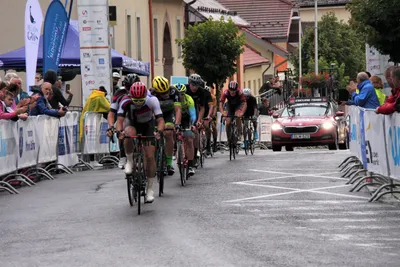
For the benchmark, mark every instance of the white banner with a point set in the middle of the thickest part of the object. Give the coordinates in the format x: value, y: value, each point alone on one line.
x: 47, y: 131
x: 221, y: 129
x: 28, y: 145
x: 375, y: 143
x: 95, y: 51
x: 392, y: 125
x: 354, y: 128
x: 95, y: 137
x: 8, y: 147
x: 33, y: 26
x: 264, y: 128
x: 68, y: 139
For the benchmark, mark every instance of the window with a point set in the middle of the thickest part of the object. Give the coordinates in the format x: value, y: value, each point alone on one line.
x: 248, y: 84
x: 178, y: 34
x: 129, y: 35
x: 259, y: 84
x: 155, y: 33
x: 254, y: 84
x: 139, y: 38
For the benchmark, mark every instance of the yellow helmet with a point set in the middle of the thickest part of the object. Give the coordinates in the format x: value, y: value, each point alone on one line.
x: 161, y: 84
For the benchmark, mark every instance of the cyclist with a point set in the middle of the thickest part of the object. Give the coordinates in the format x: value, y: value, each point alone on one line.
x: 235, y: 106
x: 251, y: 110
x: 203, y: 104
x: 138, y: 112
x: 171, y: 107
x: 188, y: 122
x: 112, y: 115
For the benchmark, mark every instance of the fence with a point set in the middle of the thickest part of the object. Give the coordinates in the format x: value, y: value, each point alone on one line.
x: 375, y: 151
x: 27, y: 146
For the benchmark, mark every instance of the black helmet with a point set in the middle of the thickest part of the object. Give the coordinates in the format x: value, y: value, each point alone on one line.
x: 233, y: 85
x: 195, y: 79
x: 130, y: 79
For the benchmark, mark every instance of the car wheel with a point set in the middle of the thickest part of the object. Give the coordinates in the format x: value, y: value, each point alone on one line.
x: 333, y: 146
x: 343, y: 146
x: 276, y: 148
x: 289, y: 148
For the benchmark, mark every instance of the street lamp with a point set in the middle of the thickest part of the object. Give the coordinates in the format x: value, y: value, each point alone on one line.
x: 300, y: 65
x: 316, y: 34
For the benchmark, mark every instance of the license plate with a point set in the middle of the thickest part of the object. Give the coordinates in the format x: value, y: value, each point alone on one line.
x: 300, y: 136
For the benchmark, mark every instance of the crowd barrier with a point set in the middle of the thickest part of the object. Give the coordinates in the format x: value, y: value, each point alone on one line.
x: 42, y: 145
x: 375, y: 151
x: 264, y: 124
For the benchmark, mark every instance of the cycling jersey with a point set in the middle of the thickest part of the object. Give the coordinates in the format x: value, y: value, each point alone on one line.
x: 214, y: 100
x: 141, y: 114
x: 116, y: 99
x: 209, y: 101
x: 188, y: 109
x: 168, y: 104
x: 237, y: 99
x: 251, y: 105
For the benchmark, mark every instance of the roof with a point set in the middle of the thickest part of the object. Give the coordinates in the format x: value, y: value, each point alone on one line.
x: 268, y: 18
x: 211, y: 8
x: 311, y: 3
x: 266, y: 43
x: 252, y: 58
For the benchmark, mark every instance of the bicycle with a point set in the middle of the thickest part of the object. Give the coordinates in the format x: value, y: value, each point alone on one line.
x: 248, y: 132
x: 181, y: 160
x: 232, y: 137
x: 202, y: 145
x: 136, y: 182
x: 161, y: 161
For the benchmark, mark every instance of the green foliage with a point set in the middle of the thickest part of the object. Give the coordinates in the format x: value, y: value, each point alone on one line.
x: 378, y: 23
x: 211, y: 48
x: 338, y: 43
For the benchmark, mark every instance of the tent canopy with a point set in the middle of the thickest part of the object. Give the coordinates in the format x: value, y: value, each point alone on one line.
x: 70, y: 57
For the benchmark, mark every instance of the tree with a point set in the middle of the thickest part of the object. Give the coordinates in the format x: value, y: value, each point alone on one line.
x: 338, y: 43
x: 211, y: 49
x: 378, y: 22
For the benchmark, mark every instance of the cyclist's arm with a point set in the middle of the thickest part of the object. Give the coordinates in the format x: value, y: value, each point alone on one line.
x: 178, y: 110
x: 154, y: 105
x: 221, y: 103
x: 192, y: 109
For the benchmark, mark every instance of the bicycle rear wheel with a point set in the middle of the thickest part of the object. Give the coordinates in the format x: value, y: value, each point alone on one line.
x: 131, y: 190
x: 181, y: 163
x: 251, y: 142
x: 245, y: 141
x: 139, y: 183
x: 160, y: 170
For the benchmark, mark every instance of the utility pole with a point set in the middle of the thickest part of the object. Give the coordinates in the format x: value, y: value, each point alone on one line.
x: 316, y: 36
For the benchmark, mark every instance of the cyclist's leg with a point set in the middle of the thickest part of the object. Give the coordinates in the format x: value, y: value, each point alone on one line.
x: 230, y: 112
x: 215, y: 133
x: 255, y: 129
x: 238, y: 123
x: 149, y: 160
x: 169, y: 141
x: 245, y: 129
x: 188, y: 138
x: 128, y: 144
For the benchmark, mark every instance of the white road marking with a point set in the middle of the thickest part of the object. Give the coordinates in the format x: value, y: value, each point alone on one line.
x: 295, y: 175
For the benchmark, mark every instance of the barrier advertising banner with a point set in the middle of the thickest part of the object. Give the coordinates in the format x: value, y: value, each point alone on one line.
x: 68, y: 139
x: 47, y: 132
x: 95, y: 50
x: 221, y: 129
x: 95, y: 137
x: 28, y: 147
x: 264, y: 128
x: 392, y: 125
x: 8, y: 147
x: 354, y: 129
x: 375, y: 143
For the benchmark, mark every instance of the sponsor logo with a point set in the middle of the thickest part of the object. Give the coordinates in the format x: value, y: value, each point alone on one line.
x: 21, y: 141
x: 88, y: 75
x: 99, y: 22
x: 101, y: 61
x: 353, y: 132
x: 101, y: 67
x: 394, y: 137
x: 84, y: 12
x: 99, y: 55
x: 98, y: 28
x: 85, y: 29
x: 87, y: 67
x: 86, y: 55
x: 32, y: 33
x: 90, y: 82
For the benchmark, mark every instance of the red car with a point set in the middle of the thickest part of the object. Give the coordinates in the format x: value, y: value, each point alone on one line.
x: 307, y: 122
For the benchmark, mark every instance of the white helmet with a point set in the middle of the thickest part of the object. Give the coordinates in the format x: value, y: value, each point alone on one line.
x: 247, y: 91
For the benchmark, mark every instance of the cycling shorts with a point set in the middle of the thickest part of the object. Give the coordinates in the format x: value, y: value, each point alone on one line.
x: 144, y: 129
x: 169, y: 118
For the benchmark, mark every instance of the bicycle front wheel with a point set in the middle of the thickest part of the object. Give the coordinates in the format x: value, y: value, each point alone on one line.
x: 160, y: 170
x: 181, y: 164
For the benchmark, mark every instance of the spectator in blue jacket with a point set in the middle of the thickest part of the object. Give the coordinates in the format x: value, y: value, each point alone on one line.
x: 367, y: 97
x: 42, y: 105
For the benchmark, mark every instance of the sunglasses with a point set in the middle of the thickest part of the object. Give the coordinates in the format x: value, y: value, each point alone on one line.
x: 138, y: 101
x: 232, y: 90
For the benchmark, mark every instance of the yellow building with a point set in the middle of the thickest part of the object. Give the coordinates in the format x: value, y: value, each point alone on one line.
x: 338, y: 7
x: 135, y: 34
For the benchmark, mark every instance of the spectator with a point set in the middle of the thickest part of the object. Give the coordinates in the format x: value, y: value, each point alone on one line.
x: 7, y: 113
x: 392, y: 75
x: 51, y: 77
x: 3, y: 90
x: 9, y: 76
x: 14, y: 89
x: 42, y: 107
x: 270, y: 85
x: 369, y: 74
x: 116, y: 78
x: 378, y: 85
x: 264, y: 108
x: 367, y: 97
x: 21, y: 94
x: 96, y: 102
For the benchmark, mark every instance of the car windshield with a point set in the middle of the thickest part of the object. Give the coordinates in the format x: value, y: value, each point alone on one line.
x: 309, y: 110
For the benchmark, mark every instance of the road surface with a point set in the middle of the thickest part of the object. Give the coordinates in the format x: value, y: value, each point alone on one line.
x: 270, y: 209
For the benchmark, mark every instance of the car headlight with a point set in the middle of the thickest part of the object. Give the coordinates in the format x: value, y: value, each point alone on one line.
x: 276, y: 126
x: 327, y: 125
